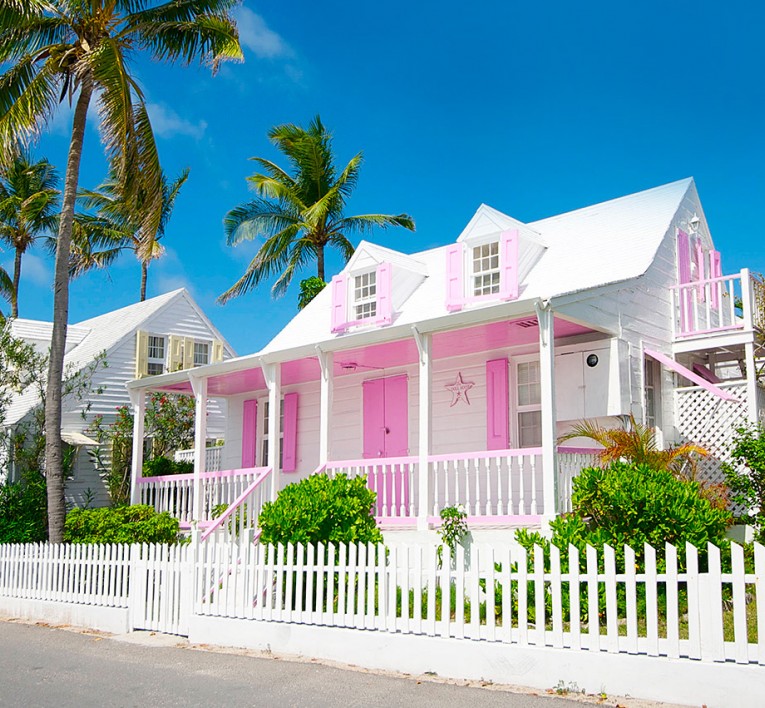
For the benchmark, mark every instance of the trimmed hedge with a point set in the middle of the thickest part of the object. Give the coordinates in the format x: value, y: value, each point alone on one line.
x: 162, y: 466
x: 121, y: 524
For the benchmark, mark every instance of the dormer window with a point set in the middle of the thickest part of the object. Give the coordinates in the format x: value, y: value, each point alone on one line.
x: 365, y: 296
x: 362, y: 298
x: 486, y: 269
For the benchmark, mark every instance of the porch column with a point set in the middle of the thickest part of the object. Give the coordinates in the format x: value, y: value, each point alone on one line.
x: 138, y: 399
x: 273, y: 376
x: 426, y: 386
x: 547, y: 389
x: 200, y: 443
x: 748, y: 304
x: 326, y: 362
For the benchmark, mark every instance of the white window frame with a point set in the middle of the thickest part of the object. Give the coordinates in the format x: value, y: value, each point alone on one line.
x: 264, y: 432
x: 206, y: 343
x: 473, y: 273
x: 654, y: 386
x: 157, y: 361
x: 516, y: 408
x: 364, y: 301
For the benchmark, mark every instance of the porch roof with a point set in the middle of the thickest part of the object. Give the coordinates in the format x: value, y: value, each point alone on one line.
x: 244, y: 374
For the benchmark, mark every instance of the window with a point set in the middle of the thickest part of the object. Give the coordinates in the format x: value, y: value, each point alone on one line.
x: 266, y: 435
x: 529, y: 404
x: 365, y: 296
x: 651, y: 386
x: 156, y: 356
x: 201, y: 353
x: 486, y: 269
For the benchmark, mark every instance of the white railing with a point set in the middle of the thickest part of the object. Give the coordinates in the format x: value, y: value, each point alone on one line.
x: 655, y: 602
x: 213, y: 457
x: 726, y: 303
x: 394, y: 479
x: 571, y: 461
x: 175, y: 493
x: 77, y: 573
x: 500, y: 484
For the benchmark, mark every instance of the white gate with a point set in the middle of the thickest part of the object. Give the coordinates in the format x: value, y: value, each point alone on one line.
x: 160, y: 588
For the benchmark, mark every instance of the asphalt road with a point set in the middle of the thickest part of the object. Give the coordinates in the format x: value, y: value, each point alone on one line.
x: 41, y: 666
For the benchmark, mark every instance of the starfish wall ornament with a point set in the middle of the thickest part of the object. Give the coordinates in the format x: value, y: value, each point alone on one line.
x: 459, y: 390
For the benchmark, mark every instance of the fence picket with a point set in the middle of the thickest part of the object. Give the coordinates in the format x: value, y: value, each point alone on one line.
x: 671, y: 585
x: 491, y: 618
x: 446, y: 564
x: 574, y: 593
x: 651, y: 601
x: 692, y: 586
x: 523, y: 597
x: 739, y: 604
x: 759, y: 595
x: 630, y: 588
x: 557, y: 601
x: 612, y: 611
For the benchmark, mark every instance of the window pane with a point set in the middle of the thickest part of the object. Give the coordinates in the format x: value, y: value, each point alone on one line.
x: 529, y: 388
x: 365, y: 295
x: 154, y: 369
x: 156, y: 347
x: 530, y: 428
x: 201, y: 353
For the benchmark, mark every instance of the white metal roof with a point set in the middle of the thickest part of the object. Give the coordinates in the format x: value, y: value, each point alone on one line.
x: 605, y: 243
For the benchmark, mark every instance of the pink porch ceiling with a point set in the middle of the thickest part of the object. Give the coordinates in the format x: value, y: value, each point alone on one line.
x: 486, y: 337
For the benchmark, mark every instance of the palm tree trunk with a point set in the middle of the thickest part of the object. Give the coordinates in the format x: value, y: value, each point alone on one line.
x: 320, y: 261
x: 16, y: 279
x: 144, y: 274
x: 53, y: 447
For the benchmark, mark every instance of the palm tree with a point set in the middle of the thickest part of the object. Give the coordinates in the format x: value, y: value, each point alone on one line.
x: 637, y: 443
x: 118, y: 225
x: 56, y: 49
x: 28, y: 209
x: 299, y: 213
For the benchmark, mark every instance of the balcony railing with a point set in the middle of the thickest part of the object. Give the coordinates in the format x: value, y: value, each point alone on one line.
x: 715, y: 305
x: 213, y: 457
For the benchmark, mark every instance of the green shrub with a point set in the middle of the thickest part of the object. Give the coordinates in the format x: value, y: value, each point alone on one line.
x: 321, y: 509
x: 24, y: 510
x: 161, y: 466
x: 121, y: 524
x: 748, y: 486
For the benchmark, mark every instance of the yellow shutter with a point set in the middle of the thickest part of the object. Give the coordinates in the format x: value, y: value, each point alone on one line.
x: 176, y: 353
x: 188, y: 353
x: 141, y: 354
x: 217, y: 351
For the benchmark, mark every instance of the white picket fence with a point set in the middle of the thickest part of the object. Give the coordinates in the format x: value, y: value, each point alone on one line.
x: 596, y: 607
x: 675, y: 603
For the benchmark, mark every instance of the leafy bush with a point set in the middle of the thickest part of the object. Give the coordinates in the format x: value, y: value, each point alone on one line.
x: 453, y: 529
x: 161, y: 466
x: 321, y: 509
x: 24, y: 510
x: 634, y: 504
x: 122, y: 524
x: 748, y: 486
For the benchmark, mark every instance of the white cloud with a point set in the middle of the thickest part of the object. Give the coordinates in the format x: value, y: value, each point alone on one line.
x: 34, y: 271
x: 255, y: 35
x: 167, y: 123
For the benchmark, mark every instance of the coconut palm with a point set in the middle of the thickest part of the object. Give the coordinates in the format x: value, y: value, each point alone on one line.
x: 118, y: 225
x: 637, y: 443
x: 28, y: 209
x: 299, y: 212
x: 81, y: 50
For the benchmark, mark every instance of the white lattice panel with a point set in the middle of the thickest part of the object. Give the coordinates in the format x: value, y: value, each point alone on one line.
x: 710, y: 421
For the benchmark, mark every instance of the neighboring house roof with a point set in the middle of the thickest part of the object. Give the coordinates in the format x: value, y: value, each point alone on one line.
x: 601, y: 244
x: 100, y: 334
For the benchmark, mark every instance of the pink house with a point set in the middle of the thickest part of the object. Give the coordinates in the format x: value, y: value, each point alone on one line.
x: 446, y: 376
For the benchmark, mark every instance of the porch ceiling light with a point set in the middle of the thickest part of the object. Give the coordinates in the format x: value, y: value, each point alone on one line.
x: 694, y: 223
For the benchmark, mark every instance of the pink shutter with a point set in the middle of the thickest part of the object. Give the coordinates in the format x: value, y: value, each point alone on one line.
x: 373, y: 418
x: 497, y: 405
x: 715, y: 271
x: 249, y: 431
x: 396, y: 416
x: 384, y: 293
x: 455, y: 291
x: 289, y: 449
x: 698, y: 261
x: 684, y: 277
x: 339, y: 303
x: 508, y: 263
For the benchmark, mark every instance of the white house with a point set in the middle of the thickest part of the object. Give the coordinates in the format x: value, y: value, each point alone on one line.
x: 447, y: 376
x: 165, y: 333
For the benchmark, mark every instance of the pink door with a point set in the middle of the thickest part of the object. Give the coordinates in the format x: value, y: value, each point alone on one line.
x: 386, y: 434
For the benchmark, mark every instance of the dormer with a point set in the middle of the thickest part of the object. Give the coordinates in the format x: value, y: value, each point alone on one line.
x: 490, y: 260
x: 373, y: 286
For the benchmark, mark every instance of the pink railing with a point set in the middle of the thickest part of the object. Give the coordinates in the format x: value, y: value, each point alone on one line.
x: 393, y: 478
x: 175, y: 493
x: 721, y: 304
x: 499, y: 484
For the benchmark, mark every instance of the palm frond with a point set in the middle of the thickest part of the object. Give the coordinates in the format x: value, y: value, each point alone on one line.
x: 366, y: 223
x: 255, y: 219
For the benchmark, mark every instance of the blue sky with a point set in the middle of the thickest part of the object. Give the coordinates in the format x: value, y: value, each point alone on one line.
x: 533, y: 108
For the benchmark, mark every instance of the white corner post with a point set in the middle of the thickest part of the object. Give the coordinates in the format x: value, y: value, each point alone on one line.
x: 424, y: 505
x: 273, y: 376
x: 547, y: 390
x: 748, y: 304
x: 199, y: 386
x: 138, y: 400
x: 326, y: 362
